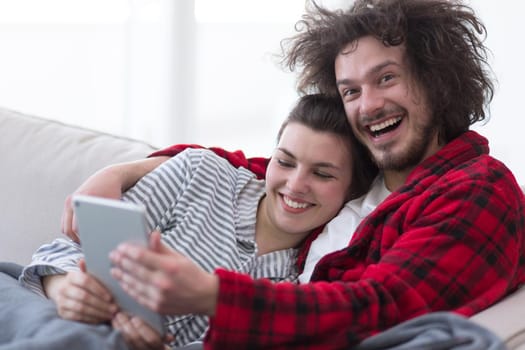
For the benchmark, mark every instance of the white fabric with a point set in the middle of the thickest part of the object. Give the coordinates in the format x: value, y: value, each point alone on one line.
x: 337, y: 233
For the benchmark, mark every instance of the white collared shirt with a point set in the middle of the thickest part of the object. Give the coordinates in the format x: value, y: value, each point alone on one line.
x: 337, y: 233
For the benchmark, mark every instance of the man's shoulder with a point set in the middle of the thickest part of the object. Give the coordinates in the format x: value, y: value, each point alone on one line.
x: 484, y: 183
x: 483, y: 171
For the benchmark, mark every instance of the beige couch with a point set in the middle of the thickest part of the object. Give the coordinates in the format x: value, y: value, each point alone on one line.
x: 43, y: 161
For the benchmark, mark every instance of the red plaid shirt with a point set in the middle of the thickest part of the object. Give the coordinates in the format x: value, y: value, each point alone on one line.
x: 451, y: 238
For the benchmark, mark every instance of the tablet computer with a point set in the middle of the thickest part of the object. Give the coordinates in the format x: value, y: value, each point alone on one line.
x: 102, y: 225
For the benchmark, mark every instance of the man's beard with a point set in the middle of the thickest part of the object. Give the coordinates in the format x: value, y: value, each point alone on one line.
x: 411, y: 156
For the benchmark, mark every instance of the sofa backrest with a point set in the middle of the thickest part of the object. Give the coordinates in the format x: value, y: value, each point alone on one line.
x: 42, y: 162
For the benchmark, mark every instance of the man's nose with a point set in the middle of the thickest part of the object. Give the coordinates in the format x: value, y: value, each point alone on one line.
x: 371, y: 101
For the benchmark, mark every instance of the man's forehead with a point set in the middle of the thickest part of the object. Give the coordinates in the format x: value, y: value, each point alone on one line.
x: 372, y: 45
x: 366, y: 56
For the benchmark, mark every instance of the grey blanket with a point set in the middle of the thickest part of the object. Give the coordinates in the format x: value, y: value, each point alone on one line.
x: 28, y: 321
x: 434, y: 331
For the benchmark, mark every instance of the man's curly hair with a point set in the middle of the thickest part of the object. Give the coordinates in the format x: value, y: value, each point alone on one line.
x: 444, y: 50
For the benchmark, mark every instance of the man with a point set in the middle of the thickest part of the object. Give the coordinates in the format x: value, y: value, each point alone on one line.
x: 413, y: 78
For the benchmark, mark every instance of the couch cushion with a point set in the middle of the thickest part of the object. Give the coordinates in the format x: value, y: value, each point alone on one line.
x: 506, y: 319
x: 42, y: 162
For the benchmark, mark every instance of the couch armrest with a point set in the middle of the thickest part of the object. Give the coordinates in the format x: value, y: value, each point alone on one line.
x: 506, y: 319
x: 42, y: 161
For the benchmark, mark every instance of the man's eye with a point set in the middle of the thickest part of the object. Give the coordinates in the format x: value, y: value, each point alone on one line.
x: 349, y: 92
x: 387, y: 77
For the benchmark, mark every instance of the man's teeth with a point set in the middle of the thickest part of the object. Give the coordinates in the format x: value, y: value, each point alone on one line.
x: 385, y: 124
x: 293, y: 204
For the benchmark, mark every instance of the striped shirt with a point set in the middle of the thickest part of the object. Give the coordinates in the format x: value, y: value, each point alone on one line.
x: 206, y: 209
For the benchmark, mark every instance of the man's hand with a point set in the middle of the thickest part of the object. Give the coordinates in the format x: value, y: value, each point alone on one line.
x: 80, y: 297
x: 164, y: 280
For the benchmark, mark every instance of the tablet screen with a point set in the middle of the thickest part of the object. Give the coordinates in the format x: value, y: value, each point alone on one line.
x: 102, y: 225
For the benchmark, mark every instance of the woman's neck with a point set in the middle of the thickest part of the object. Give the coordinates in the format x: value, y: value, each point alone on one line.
x: 270, y: 238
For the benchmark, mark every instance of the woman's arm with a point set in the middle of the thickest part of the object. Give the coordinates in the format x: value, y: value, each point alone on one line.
x: 112, y: 181
x: 109, y: 182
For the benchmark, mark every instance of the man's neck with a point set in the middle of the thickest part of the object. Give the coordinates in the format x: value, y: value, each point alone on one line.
x: 395, y: 179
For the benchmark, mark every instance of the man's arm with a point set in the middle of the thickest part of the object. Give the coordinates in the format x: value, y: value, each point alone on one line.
x: 460, y: 252
x: 456, y: 246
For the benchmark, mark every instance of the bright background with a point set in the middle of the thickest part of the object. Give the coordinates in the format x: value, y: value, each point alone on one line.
x: 199, y: 71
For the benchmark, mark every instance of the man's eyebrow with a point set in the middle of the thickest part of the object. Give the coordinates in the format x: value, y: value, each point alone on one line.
x: 319, y: 164
x: 372, y: 71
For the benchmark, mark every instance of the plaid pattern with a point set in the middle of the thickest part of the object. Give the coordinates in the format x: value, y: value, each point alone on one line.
x: 256, y: 165
x: 451, y: 238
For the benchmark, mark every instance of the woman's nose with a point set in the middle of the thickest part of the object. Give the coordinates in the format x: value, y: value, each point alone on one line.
x: 298, y: 182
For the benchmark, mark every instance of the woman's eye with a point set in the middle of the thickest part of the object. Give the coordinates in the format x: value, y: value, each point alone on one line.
x: 323, y: 175
x: 284, y: 163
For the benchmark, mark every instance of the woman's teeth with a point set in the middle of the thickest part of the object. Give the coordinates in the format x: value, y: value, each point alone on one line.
x: 294, y: 204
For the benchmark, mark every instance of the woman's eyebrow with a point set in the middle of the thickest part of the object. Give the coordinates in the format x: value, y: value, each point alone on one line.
x: 285, y: 151
x: 318, y: 164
